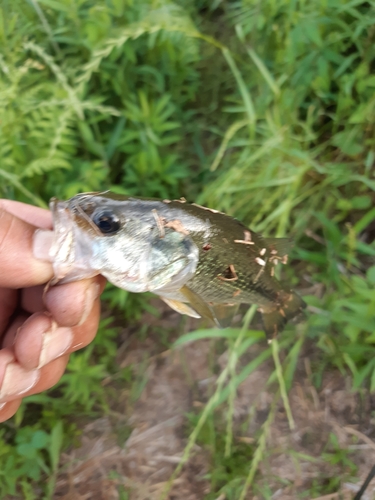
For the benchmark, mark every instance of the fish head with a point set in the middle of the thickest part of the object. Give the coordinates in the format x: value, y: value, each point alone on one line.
x: 122, y: 239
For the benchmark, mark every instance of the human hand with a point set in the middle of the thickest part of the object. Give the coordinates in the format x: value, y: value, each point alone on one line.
x: 38, y: 330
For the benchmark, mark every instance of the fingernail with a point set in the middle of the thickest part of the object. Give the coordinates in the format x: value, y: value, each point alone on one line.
x: 55, y: 342
x: 92, y: 293
x: 17, y: 380
x: 42, y: 242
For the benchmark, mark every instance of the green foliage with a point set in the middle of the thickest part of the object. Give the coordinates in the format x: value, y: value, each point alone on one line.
x: 339, y: 460
x: 34, y: 452
x: 105, y: 107
x: 227, y: 473
x: 264, y: 110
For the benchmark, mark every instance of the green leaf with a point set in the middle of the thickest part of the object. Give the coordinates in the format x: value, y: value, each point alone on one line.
x: 40, y: 440
x: 245, y: 93
x: 228, y: 333
x: 27, y: 450
x: 56, y: 440
x: 371, y: 275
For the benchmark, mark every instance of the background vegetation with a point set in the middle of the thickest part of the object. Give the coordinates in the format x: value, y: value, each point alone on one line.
x: 261, y: 109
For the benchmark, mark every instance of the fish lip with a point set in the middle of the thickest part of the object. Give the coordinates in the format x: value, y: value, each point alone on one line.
x: 61, y: 215
x: 62, y: 252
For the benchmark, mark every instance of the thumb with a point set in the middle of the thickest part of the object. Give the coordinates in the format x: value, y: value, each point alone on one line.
x: 19, y: 267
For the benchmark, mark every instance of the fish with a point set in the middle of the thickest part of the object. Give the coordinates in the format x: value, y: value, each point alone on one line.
x: 199, y: 261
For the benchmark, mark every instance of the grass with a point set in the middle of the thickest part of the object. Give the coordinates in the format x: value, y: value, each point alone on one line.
x: 262, y: 110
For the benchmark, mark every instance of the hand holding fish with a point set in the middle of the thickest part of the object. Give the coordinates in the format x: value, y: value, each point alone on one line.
x: 38, y: 327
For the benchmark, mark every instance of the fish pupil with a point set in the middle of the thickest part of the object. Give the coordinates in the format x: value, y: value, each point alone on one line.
x: 107, y: 222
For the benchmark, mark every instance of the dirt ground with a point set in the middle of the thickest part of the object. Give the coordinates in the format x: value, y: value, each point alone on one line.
x: 179, y: 381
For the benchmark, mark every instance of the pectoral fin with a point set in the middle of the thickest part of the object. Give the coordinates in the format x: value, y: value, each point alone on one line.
x: 220, y: 314
x: 181, y: 307
x: 198, y: 304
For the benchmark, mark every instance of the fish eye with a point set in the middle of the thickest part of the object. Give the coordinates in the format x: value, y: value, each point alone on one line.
x: 107, y: 222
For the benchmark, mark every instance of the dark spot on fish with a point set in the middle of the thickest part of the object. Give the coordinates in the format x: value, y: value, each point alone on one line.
x: 229, y: 274
x: 206, y: 247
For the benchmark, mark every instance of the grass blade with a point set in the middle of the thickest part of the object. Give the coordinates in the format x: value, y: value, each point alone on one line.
x: 245, y: 94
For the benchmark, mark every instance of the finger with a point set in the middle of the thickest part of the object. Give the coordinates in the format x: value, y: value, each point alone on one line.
x: 11, y: 333
x: 19, y: 267
x: 39, y: 380
x: 50, y: 375
x: 85, y: 334
x: 41, y: 339
x: 8, y: 301
x: 71, y: 303
x: 7, y: 410
x: 6, y: 357
x: 35, y: 216
x: 14, y: 379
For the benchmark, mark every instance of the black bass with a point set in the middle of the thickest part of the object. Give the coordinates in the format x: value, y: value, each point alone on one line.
x: 201, y: 262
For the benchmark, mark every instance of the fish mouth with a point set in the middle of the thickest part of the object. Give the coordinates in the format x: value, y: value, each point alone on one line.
x: 62, y: 252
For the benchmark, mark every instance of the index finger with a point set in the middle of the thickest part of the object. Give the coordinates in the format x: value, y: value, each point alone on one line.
x: 19, y: 268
